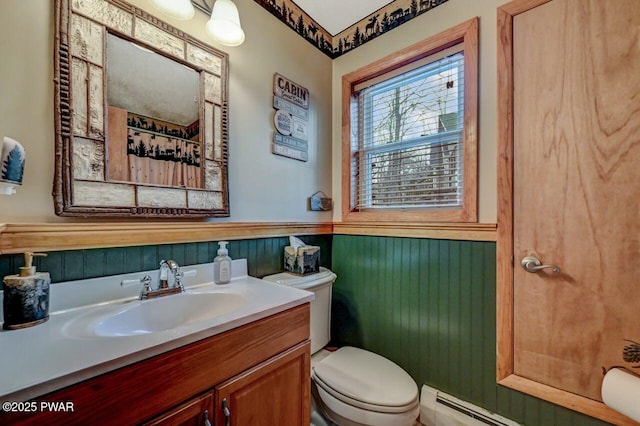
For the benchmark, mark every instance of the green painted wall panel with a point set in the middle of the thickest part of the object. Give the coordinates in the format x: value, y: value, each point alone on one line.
x: 430, y: 306
x: 264, y: 256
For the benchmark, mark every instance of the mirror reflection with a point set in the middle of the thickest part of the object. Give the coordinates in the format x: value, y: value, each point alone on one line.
x: 153, y: 117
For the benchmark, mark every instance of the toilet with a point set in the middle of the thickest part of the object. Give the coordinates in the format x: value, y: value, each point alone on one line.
x: 351, y: 386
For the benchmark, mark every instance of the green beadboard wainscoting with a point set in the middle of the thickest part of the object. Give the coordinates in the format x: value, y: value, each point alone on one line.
x: 430, y: 306
x: 264, y: 256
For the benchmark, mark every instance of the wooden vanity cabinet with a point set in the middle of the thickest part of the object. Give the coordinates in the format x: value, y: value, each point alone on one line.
x: 275, y: 392
x: 260, y: 371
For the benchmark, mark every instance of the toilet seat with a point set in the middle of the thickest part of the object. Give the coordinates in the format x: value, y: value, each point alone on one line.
x: 347, y: 415
x: 363, y: 385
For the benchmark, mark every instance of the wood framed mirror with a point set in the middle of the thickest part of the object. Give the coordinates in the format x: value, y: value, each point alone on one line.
x: 140, y: 116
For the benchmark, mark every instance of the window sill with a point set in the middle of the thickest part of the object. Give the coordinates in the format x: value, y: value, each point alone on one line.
x: 443, y: 231
x: 411, y: 215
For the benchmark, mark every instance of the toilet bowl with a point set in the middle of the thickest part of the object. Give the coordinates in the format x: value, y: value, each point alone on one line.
x: 351, y: 386
x: 358, y: 387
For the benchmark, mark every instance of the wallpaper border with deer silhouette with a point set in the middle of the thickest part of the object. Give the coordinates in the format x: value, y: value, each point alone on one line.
x: 379, y: 22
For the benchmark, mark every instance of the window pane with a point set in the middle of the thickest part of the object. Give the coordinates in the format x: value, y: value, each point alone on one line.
x: 409, y: 139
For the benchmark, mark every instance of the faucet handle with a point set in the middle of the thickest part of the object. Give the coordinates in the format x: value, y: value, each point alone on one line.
x: 177, y: 275
x: 146, y: 285
x: 145, y: 281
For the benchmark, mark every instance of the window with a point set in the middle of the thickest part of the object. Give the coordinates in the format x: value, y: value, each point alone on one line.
x: 409, y: 133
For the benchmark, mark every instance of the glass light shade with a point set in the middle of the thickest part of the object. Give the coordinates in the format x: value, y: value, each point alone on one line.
x: 224, y: 25
x: 178, y: 9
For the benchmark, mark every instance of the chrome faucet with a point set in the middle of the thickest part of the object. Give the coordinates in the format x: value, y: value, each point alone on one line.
x: 166, y: 266
x: 177, y: 273
x: 163, y: 282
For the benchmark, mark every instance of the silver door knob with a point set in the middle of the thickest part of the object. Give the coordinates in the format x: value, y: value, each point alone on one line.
x: 532, y: 264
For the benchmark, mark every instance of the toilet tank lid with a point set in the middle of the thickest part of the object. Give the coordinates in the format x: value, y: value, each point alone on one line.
x: 325, y: 276
x: 367, y: 377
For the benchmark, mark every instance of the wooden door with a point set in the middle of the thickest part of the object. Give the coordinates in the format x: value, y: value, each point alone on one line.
x: 276, y: 392
x: 195, y: 412
x: 575, y: 87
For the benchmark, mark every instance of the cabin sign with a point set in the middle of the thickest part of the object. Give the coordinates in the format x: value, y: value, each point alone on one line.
x: 292, y: 92
x: 291, y: 119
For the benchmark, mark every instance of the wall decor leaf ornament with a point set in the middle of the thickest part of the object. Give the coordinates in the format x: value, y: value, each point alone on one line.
x: 13, y: 166
x: 631, y: 353
x: 12, y: 161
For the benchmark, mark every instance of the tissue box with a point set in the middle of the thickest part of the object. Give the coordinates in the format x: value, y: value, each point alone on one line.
x: 306, y: 260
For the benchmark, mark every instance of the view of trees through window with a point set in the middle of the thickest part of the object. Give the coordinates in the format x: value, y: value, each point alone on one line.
x: 409, y: 149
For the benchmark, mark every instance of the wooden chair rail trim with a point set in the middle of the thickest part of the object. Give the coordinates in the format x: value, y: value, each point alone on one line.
x: 565, y: 399
x: 19, y: 237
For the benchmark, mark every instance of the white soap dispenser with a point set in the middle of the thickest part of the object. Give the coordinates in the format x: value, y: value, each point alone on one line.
x: 222, y: 265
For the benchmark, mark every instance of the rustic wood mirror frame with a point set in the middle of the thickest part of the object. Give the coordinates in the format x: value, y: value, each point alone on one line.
x: 81, y: 184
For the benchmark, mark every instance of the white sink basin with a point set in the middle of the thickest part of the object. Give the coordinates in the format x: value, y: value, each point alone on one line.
x: 154, y: 315
x: 168, y: 312
x: 98, y: 325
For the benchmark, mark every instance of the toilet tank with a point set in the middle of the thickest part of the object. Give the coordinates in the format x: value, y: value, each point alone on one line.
x: 320, y: 284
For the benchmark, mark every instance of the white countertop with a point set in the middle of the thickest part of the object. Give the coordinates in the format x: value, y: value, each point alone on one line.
x: 47, y: 357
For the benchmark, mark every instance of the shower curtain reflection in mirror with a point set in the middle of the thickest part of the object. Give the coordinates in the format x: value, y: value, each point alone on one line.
x: 153, y: 117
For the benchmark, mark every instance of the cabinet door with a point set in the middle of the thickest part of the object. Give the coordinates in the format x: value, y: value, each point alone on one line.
x: 275, y: 392
x: 195, y: 412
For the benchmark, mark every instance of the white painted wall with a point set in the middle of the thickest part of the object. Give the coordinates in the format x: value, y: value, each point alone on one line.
x: 439, y: 19
x: 263, y: 186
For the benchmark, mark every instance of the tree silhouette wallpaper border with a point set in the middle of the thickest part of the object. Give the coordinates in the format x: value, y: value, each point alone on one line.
x: 379, y: 22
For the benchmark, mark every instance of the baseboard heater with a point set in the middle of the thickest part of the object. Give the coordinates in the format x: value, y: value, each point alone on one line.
x: 440, y: 409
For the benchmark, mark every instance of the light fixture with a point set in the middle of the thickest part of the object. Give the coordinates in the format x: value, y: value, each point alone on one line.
x: 179, y: 9
x: 224, y: 25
